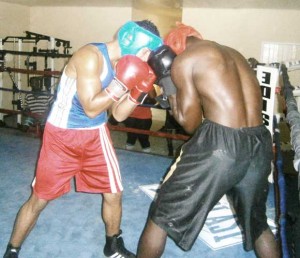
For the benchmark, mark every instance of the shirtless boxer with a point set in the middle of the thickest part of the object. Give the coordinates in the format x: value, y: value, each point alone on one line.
x: 217, y: 99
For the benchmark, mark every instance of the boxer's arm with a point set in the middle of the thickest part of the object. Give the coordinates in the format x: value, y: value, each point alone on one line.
x: 123, y: 108
x: 186, y: 104
x: 88, y: 64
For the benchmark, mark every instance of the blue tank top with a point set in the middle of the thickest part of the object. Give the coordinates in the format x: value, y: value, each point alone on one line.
x: 67, y: 111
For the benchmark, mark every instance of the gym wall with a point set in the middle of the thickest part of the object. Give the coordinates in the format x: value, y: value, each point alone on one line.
x: 80, y: 25
x: 14, y: 19
x: 245, y: 29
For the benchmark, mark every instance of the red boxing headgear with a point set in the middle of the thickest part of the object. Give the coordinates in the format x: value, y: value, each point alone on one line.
x: 176, y: 38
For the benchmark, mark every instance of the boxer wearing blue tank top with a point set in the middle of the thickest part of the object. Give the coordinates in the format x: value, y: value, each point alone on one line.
x: 76, y: 142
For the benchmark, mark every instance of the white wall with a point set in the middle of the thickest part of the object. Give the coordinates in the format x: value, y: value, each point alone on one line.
x: 80, y: 25
x: 164, y: 18
x: 245, y: 29
x: 14, y: 19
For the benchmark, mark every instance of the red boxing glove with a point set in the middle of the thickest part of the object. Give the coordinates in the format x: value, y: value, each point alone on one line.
x: 130, y: 70
x: 139, y: 93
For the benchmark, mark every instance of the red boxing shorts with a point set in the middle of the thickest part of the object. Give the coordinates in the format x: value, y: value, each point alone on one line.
x: 88, y: 155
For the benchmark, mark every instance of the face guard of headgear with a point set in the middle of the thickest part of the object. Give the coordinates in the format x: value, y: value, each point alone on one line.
x: 133, y: 38
x: 176, y: 38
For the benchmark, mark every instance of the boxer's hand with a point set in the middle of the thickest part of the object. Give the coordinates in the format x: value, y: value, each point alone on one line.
x: 139, y: 93
x: 130, y: 70
x: 161, y: 61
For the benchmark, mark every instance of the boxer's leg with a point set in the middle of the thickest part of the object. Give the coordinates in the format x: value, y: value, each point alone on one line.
x: 266, y: 246
x: 112, y: 213
x: 149, y: 246
x: 24, y: 223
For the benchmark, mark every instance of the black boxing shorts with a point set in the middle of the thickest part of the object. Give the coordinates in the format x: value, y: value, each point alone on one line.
x: 217, y: 160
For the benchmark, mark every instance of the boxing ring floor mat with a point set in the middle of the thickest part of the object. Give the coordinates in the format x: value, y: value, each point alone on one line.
x: 71, y: 226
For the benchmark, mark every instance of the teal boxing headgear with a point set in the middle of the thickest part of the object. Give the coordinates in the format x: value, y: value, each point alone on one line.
x: 133, y: 37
